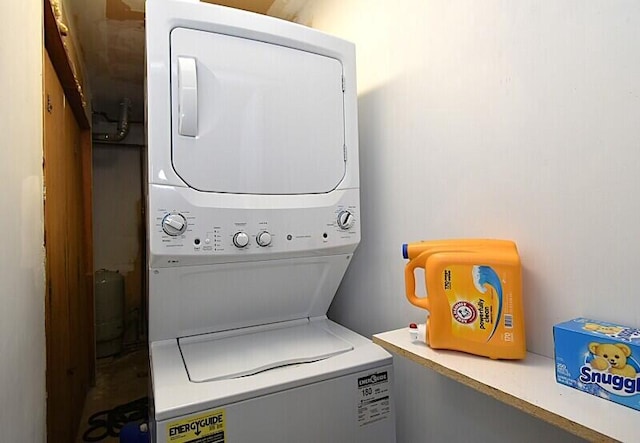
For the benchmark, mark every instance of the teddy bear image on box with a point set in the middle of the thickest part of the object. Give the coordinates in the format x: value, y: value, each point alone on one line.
x: 607, y: 330
x: 613, y: 331
x: 612, y: 356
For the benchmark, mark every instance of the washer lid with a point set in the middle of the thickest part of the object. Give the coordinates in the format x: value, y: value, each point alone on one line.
x: 221, y: 355
x: 252, y: 117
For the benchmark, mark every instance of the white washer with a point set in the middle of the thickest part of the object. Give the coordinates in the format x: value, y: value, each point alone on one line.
x: 253, y: 217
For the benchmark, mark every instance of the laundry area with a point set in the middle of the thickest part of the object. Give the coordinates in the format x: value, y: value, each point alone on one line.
x: 321, y: 221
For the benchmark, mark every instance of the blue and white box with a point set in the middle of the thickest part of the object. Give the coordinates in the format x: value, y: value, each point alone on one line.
x: 600, y: 358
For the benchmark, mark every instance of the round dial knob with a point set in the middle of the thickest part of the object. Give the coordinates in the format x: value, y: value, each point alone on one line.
x: 345, y: 219
x: 174, y: 224
x: 240, y: 239
x: 263, y: 238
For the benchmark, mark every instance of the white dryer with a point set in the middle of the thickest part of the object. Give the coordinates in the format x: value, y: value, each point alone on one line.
x: 253, y: 217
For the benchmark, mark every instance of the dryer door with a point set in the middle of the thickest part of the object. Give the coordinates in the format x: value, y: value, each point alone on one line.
x: 251, y: 117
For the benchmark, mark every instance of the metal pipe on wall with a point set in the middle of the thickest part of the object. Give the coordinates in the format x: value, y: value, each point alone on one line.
x: 123, y: 125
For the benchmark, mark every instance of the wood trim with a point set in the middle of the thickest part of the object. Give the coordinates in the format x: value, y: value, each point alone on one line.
x: 64, y: 68
x: 87, y: 197
x: 69, y: 313
x: 67, y: 347
x: 258, y: 6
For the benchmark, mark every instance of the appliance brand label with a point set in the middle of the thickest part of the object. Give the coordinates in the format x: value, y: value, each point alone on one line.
x: 373, y: 398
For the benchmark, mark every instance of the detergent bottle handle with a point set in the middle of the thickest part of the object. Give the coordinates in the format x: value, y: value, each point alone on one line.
x: 410, y: 280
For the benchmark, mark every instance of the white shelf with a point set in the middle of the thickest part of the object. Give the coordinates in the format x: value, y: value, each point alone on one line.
x: 528, y: 385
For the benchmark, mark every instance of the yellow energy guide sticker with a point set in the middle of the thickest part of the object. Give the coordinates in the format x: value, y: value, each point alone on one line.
x: 203, y: 428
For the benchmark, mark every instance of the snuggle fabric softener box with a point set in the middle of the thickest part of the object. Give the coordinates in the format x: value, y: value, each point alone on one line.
x: 599, y: 358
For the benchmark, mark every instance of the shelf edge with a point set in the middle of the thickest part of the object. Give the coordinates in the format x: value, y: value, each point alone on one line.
x: 518, y: 403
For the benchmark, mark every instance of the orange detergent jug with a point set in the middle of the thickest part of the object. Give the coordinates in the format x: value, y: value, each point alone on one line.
x: 474, y: 295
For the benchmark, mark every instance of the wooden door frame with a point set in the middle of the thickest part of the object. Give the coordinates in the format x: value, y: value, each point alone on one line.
x: 64, y: 66
x: 65, y: 69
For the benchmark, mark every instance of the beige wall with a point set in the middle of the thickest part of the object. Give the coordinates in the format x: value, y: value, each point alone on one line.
x: 22, y: 339
x: 118, y: 234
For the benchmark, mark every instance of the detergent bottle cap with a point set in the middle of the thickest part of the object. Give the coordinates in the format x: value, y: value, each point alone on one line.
x: 405, y: 252
x: 418, y: 332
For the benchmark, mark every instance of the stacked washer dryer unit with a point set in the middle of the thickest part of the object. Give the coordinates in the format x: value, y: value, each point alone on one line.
x: 253, y: 217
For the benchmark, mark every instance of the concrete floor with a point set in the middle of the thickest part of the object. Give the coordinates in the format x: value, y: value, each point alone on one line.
x: 119, y: 380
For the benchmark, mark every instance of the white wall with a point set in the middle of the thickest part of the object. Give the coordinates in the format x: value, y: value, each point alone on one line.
x: 507, y: 119
x: 22, y: 340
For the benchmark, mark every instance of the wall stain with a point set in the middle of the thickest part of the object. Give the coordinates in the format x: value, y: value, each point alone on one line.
x: 133, y: 286
x: 119, y: 10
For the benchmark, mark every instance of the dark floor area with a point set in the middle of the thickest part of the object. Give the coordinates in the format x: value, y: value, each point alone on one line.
x: 120, y: 380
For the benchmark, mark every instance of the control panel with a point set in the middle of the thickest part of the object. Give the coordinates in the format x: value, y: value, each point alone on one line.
x: 183, y: 233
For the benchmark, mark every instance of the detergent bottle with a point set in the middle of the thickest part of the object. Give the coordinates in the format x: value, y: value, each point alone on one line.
x: 474, y: 295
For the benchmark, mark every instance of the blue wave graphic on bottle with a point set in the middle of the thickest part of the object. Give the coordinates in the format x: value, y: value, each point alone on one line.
x: 485, y: 275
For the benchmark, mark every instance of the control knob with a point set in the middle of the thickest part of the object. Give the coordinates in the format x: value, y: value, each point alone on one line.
x: 263, y: 238
x: 345, y: 220
x: 240, y: 239
x: 174, y: 224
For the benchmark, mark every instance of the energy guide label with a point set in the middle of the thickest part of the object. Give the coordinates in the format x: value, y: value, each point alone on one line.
x: 374, y: 401
x: 203, y: 428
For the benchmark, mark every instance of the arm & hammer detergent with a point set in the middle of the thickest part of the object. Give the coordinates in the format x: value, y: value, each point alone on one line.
x: 474, y: 295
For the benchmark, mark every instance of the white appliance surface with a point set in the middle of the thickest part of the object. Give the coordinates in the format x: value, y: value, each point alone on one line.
x: 194, y: 300
x: 176, y: 395
x: 253, y: 218
x: 285, y: 125
x: 216, y: 356
x: 269, y: 119
x: 337, y: 410
x: 299, y: 226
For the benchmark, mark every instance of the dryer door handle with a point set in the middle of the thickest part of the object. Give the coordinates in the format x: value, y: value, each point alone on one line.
x: 187, y: 96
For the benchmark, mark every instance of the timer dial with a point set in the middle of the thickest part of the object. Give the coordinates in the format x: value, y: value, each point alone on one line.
x: 345, y: 220
x: 174, y: 224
